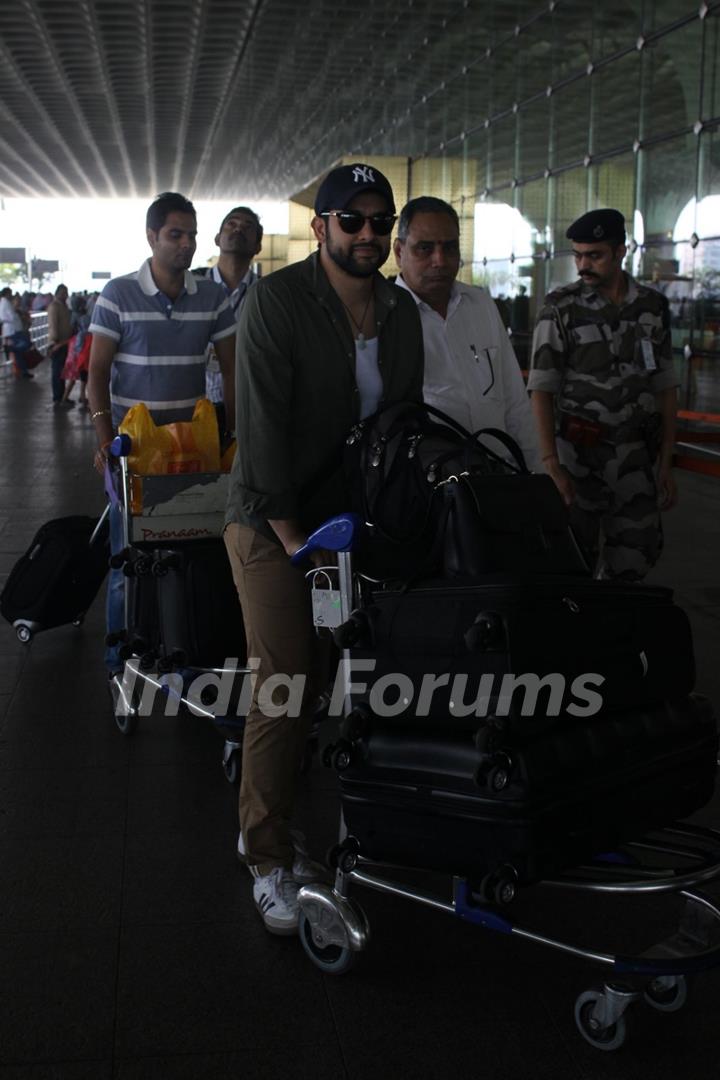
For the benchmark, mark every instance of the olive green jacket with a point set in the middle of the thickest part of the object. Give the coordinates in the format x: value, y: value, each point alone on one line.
x: 296, y: 393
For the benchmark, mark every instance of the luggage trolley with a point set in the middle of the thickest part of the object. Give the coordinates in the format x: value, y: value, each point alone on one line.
x: 163, y: 517
x: 676, y: 860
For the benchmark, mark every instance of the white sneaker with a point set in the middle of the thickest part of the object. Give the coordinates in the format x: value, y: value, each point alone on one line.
x: 304, y: 869
x: 275, y: 896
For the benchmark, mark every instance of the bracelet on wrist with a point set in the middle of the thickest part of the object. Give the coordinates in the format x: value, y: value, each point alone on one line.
x: 100, y: 412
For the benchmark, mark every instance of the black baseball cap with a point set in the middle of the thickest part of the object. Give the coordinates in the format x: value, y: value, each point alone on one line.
x: 341, y: 185
x: 607, y: 225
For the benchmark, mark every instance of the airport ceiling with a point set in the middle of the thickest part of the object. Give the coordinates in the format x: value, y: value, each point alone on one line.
x: 219, y: 98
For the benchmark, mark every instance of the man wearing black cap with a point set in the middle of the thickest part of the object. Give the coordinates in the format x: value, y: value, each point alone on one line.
x: 321, y: 344
x: 604, y: 398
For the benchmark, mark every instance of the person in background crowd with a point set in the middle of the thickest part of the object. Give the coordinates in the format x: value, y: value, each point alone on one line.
x: 471, y: 371
x: 604, y: 394
x: 76, y: 365
x: 239, y: 241
x: 59, y: 334
x: 14, y: 332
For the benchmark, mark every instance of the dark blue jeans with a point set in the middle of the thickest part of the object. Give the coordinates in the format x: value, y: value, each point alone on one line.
x: 115, y: 603
x: 20, y: 345
x: 57, y: 359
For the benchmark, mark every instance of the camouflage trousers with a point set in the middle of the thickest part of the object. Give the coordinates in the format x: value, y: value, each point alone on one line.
x: 615, y: 515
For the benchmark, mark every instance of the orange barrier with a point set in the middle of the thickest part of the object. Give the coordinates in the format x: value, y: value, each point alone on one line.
x: 700, y: 417
x: 699, y: 465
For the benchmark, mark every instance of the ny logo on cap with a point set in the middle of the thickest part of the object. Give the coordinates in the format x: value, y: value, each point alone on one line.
x: 363, y: 174
x: 598, y: 232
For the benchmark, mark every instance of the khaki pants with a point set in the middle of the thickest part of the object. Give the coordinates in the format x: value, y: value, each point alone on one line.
x: 277, y: 612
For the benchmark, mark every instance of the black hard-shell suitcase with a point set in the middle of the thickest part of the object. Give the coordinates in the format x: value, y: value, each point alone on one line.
x: 424, y: 800
x: 58, y: 577
x: 632, y: 638
x: 200, y: 619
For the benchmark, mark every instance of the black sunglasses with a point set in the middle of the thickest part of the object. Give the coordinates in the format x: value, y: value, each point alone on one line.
x: 352, y: 221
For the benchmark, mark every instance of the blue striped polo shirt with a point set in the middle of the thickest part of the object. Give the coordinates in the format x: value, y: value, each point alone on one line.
x: 161, y: 343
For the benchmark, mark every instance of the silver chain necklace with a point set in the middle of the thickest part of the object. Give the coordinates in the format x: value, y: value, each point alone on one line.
x: 360, y: 339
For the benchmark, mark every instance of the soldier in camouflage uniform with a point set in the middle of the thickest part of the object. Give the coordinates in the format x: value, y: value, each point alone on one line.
x: 604, y: 398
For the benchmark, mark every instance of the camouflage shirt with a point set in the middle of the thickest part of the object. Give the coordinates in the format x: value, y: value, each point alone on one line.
x: 602, y: 361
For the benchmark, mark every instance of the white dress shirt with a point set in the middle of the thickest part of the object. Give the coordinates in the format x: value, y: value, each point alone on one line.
x: 471, y: 371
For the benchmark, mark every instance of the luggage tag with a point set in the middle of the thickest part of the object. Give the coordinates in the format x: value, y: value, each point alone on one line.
x: 648, y: 355
x: 325, y: 602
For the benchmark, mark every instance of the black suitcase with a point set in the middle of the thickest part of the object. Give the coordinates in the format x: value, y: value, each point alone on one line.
x: 632, y: 640
x: 58, y: 577
x: 422, y: 799
x: 200, y: 619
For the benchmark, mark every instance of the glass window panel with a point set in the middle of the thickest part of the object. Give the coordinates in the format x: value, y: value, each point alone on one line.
x: 477, y: 94
x: 671, y: 85
x: 667, y: 175
x: 501, y: 156
x: 535, y: 60
x: 615, y: 104
x: 503, y: 87
x: 533, y: 134
x: 616, y: 26
x: 531, y: 203
x: 708, y: 179
x: 612, y: 183
x: 568, y: 200
x: 711, y: 67
x: 572, y: 37
x: 475, y: 153
x: 570, y: 123
x: 659, y: 13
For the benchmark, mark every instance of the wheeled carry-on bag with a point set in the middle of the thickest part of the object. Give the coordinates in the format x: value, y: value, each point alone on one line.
x: 200, y: 619
x: 57, y: 579
x: 632, y: 640
x: 434, y: 802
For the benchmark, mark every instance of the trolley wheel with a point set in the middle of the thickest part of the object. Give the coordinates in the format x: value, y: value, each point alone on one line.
x: 609, y: 1038
x: 24, y: 634
x: 332, y: 959
x: 667, y: 994
x: 232, y: 767
x: 126, y: 725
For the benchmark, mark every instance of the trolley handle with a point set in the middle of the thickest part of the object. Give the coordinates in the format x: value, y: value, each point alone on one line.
x: 338, y: 533
x: 121, y: 446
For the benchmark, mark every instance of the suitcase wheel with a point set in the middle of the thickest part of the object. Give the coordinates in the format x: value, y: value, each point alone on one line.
x: 667, y: 993
x: 600, y: 1018
x: 330, y: 958
x: 232, y: 763
x: 24, y: 634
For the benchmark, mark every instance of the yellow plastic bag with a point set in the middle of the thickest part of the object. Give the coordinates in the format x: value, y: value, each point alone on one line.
x: 187, y: 446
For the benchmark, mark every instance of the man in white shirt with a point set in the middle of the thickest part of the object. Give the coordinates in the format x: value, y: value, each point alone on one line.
x: 471, y: 371
x: 239, y: 240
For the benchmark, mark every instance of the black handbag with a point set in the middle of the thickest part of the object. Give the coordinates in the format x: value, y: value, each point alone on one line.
x: 515, y: 523
x: 397, y: 462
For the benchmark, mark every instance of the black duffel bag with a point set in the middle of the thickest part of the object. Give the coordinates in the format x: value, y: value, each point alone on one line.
x: 397, y: 462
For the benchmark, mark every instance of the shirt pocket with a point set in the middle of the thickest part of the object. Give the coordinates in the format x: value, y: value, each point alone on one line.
x: 484, y: 374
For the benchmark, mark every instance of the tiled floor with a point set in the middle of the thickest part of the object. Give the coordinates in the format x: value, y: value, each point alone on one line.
x: 129, y: 944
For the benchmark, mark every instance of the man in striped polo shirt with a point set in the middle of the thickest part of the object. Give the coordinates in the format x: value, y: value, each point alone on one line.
x: 150, y: 333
